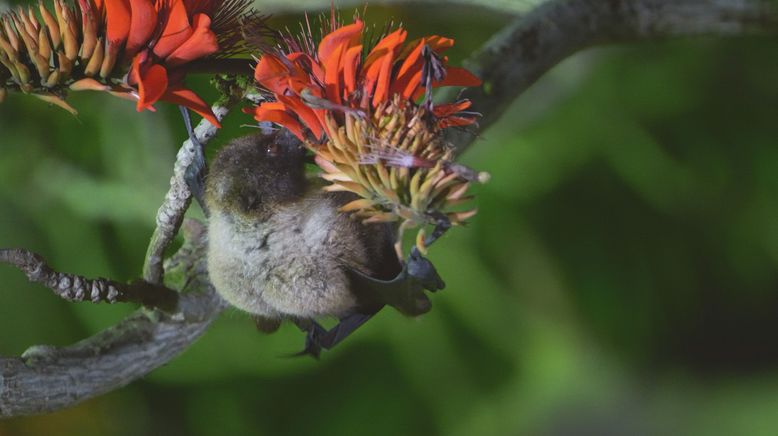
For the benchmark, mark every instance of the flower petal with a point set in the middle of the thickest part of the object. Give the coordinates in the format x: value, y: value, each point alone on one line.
x: 412, y: 60
x: 270, y: 105
x: 446, y: 114
x: 378, y: 65
x: 351, y: 67
x: 386, y: 45
x: 138, y: 62
x: 297, y: 78
x: 88, y: 84
x: 201, y: 43
x: 176, y: 30
x: 271, y: 112
x: 187, y: 98
x: 448, y: 109
x: 304, y: 113
x: 408, y: 77
x: 455, y: 121
x: 271, y: 73
x: 331, y: 51
x: 438, y: 43
x: 345, y: 36
x: 151, y: 86
x: 457, y: 76
x: 117, y: 17
x: 305, y: 60
x: 142, y: 26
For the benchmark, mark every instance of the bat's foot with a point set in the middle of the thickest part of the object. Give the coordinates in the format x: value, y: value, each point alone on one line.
x: 317, y: 338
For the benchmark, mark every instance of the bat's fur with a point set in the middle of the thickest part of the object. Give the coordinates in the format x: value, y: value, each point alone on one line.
x: 278, y: 246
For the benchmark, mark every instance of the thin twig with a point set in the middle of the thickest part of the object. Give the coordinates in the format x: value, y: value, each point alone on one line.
x: 76, y: 288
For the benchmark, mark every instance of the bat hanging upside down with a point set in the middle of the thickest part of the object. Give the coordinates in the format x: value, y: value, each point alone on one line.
x: 280, y: 249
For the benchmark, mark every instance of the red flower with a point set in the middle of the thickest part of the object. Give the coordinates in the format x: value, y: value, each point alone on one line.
x: 137, y: 49
x: 364, y: 117
x: 337, y: 77
x: 160, y: 39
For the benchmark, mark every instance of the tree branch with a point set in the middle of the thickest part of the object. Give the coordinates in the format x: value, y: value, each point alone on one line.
x: 48, y: 378
x: 179, y: 196
x: 512, y: 60
x: 76, y: 288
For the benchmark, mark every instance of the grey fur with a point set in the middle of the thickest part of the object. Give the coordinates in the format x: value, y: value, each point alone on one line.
x: 278, y: 246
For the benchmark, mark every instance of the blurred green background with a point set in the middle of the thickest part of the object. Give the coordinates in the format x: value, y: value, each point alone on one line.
x: 620, y: 278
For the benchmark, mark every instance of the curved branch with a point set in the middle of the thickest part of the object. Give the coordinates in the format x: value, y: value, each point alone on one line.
x: 512, y: 60
x: 47, y: 378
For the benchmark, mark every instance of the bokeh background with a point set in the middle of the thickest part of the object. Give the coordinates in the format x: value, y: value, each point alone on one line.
x: 620, y: 278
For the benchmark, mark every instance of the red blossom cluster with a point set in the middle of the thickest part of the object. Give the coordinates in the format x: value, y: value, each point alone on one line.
x: 137, y: 49
x: 366, y: 111
x: 339, y: 77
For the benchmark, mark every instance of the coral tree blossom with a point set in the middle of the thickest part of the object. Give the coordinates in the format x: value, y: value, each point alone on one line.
x: 137, y: 49
x: 365, y: 110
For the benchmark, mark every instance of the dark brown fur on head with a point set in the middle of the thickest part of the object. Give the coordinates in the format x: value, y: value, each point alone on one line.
x: 256, y: 172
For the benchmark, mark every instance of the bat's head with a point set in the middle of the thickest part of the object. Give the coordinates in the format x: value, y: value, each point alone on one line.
x: 255, y: 173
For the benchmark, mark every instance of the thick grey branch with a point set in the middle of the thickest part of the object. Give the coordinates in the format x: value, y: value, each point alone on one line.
x: 46, y: 378
x: 522, y: 52
x: 75, y: 288
x: 49, y: 378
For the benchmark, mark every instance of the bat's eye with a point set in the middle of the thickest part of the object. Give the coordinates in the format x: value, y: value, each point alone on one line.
x: 273, y: 150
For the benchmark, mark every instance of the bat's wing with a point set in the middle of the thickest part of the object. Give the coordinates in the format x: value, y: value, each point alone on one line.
x: 405, y: 292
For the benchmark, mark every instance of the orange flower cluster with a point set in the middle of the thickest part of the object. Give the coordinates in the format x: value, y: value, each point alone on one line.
x: 137, y: 49
x: 358, y: 108
x: 338, y: 77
